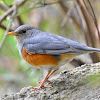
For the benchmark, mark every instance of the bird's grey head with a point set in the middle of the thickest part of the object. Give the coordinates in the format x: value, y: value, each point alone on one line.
x: 23, y: 32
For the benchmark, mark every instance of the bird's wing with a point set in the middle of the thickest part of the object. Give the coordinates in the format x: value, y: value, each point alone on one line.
x: 45, y: 44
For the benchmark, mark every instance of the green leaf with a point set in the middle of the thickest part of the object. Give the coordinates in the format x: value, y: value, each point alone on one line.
x: 8, y: 2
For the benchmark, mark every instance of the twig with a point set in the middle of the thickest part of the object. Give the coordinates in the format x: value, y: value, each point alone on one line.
x: 93, y: 16
x: 50, y: 3
x: 4, y: 7
x: 10, y: 11
x: 65, y: 9
x: 87, y: 8
x: 90, y: 28
x: 95, y: 19
x: 36, y: 5
x: 6, y: 14
x: 4, y: 27
x: 8, y: 28
x: 83, y: 24
x: 19, y: 20
x: 70, y: 19
x: 13, y: 16
x: 67, y: 15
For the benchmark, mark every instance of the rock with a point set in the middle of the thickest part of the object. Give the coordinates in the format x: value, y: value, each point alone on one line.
x: 81, y: 83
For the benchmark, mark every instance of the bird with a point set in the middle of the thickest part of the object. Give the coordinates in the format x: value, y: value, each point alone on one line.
x: 46, y: 50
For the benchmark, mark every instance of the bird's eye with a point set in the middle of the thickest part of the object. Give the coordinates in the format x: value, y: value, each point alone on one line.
x: 24, y: 31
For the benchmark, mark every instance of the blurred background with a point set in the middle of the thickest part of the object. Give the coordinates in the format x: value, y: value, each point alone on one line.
x: 78, y: 20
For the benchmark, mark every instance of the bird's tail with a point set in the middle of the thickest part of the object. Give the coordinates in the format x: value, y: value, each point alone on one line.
x: 81, y: 47
x: 90, y: 49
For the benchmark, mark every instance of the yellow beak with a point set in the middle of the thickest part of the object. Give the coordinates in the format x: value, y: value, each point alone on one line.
x: 11, y: 33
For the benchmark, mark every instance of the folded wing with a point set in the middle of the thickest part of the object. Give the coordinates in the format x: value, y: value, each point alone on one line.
x: 48, y: 45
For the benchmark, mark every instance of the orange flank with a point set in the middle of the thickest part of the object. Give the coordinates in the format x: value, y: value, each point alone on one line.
x: 67, y: 57
x: 44, y: 59
x: 39, y: 59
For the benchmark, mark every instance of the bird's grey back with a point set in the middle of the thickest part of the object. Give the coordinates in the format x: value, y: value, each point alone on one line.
x: 74, y: 44
x: 68, y: 46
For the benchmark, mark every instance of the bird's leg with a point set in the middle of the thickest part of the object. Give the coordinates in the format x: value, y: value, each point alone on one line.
x: 51, y: 74
x: 48, y: 77
x: 42, y: 84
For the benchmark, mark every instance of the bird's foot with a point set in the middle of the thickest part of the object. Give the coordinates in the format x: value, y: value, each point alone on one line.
x: 39, y: 87
x: 42, y: 81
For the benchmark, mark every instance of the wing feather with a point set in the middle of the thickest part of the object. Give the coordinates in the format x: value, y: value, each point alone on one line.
x: 48, y: 45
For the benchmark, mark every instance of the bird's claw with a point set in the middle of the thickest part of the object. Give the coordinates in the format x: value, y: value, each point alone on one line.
x: 37, y: 88
x: 42, y: 80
